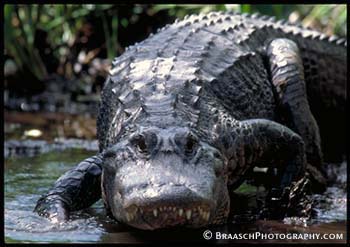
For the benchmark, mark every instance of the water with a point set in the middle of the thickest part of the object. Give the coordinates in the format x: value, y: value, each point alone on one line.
x: 26, y: 178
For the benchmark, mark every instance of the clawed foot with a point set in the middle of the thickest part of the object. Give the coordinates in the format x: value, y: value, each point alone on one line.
x: 300, y: 203
x: 52, y: 207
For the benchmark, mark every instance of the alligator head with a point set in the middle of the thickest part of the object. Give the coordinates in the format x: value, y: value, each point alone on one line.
x: 163, y: 177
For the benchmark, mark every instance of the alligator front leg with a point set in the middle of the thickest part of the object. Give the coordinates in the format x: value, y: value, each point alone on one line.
x: 264, y: 143
x: 78, y: 188
x: 287, y: 75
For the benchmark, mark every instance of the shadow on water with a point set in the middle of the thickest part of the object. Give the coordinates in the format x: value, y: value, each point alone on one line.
x: 26, y: 178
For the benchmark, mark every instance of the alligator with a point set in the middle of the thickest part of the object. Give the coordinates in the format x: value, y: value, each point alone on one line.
x: 187, y: 114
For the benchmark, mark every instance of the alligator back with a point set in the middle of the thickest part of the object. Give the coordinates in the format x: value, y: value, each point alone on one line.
x: 217, y: 59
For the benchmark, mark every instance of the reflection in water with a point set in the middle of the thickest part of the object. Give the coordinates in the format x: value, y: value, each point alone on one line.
x: 27, y: 178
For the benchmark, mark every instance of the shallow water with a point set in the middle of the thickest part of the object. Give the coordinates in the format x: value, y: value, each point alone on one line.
x: 26, y: 178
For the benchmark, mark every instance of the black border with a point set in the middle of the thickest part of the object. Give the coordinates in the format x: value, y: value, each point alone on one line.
x: 2, y: 238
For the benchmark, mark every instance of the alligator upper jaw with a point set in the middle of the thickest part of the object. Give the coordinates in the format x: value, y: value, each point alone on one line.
x: 167, y: 215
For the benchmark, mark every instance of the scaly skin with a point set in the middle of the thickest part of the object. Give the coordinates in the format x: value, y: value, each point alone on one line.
x: 186, y: 114
x: 82, y: 181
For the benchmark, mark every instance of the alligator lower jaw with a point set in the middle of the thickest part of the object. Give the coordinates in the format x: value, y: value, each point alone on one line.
x: 162, y: 216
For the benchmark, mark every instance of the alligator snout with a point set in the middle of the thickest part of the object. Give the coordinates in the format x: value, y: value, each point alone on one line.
x: 165, y: 206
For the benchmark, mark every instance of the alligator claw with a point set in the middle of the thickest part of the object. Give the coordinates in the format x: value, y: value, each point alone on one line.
x: 53, y: 208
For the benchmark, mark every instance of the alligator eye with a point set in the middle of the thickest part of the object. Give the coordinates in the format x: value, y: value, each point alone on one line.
x: 141, y: 144
x: 191, y: 144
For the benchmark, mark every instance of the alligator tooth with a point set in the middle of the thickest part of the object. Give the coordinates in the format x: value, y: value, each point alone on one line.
x: 141, y: 211
x: 207, y: 216
x: 169, y: 208
x: 155, y: 212
x: 204, y: 215
x: 188, y: 214
x: 160, y: 209
x: 127, y: 217
x: 174, y: 209
x: 180, y: 212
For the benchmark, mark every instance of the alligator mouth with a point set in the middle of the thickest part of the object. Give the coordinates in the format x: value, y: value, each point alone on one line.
x: 152, y: 217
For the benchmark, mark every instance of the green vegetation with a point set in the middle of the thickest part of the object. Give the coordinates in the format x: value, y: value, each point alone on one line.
x: 62, y: 22
x: 246, y: 189
x: 330, y: 18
